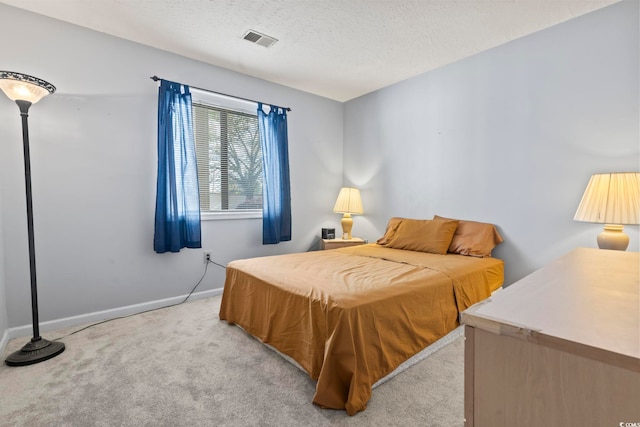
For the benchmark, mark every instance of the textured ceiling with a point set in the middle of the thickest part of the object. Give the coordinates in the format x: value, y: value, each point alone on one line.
x: 339, y: 49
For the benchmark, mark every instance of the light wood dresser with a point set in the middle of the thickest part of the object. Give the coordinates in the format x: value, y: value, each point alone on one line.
x: 560, y: 347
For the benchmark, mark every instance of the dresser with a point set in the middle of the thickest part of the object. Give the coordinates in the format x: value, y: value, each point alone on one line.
x: 561, y: 347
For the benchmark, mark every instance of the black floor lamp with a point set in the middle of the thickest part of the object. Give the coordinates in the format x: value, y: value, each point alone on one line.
x: 27, y: 90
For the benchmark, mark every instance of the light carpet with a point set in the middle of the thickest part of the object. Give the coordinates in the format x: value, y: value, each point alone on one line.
x: 182, y: 366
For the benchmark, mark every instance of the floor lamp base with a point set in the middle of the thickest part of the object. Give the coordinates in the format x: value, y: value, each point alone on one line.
x: 35, y: 351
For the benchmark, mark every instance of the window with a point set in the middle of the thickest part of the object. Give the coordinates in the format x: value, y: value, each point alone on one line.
x: 229, y: 159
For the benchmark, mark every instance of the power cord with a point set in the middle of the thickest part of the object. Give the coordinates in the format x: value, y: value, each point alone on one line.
x: 206, y: 267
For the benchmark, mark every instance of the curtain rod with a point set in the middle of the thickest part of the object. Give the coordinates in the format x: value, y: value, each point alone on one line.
x: 156, y: 78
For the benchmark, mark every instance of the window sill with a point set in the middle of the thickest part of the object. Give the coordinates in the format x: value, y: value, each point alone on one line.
x: 224, y: 215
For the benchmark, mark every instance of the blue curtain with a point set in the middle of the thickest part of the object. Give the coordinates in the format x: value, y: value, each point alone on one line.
x: 276, y: 191
x: 177, y: 222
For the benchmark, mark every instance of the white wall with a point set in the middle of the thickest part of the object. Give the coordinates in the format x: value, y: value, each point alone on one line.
x: 509, y: 136
x: 4, y: 323
x: 93, y: 147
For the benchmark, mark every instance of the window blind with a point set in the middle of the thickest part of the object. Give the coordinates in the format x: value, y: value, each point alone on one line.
x: 229, y: 159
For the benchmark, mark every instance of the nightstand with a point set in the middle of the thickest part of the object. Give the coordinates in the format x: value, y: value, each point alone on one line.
x: 339, y: 243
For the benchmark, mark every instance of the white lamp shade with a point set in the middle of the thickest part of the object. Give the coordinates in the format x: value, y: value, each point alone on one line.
x: 611, y: 198
x: 349, y: 201
x: 22, y: 87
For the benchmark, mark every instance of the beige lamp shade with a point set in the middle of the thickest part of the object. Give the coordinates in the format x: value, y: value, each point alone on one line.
x: 612, y: 199
x: 23, y: 87
x: 348, y: 203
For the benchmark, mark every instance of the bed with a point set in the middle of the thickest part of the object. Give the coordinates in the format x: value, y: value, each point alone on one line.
x: 350, y: 316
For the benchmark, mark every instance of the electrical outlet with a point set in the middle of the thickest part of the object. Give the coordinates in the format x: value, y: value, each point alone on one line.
x: 207, y: 257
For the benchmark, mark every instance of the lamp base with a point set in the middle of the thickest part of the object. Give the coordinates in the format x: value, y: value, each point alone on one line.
x: 613, y: 238
x: 347, y: 225
x: 35, y: 351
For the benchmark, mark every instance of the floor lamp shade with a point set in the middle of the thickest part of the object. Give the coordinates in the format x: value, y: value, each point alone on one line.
x: 612, y: 199
x: 22, y: 87
x: 348, y: 203
x: 26, y: 90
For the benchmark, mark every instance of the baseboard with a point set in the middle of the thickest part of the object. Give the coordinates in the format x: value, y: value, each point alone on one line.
x: 4, y: 341
x: 52, y: 325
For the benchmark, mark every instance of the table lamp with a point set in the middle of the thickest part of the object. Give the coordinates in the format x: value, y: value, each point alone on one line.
x: 612, y: 199
x: 348, y: 203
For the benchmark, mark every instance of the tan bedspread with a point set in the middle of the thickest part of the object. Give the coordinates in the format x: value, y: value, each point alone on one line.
x: 350, y: 316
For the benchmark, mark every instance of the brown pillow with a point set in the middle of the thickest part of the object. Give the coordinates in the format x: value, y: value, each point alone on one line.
x: 392, y: 226
x: 423, y: 235
x: 474, y: 238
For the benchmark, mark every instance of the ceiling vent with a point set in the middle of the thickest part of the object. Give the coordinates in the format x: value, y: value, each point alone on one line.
x: 259, y: 38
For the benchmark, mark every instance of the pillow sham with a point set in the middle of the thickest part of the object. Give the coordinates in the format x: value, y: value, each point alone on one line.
x: 474, y: 238
x: 423, y: 235
x: 392, y: 226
